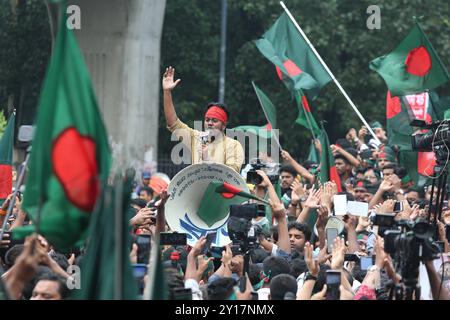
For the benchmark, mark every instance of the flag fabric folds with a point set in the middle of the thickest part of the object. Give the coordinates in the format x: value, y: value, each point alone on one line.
x: 70, y: 157
x: 413, y: 66
x: 295, y: 62
x: 106, y: 271
x: 305, y: 117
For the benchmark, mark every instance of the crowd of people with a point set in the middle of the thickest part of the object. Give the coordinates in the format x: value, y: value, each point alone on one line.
x: 294, y: 255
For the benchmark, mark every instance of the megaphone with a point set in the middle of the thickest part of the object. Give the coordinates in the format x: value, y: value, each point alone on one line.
x: 333, y: 222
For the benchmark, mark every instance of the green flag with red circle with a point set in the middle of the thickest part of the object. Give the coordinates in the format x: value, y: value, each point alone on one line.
x: 413, y: 67
x: 295, y: 63
x: 70, y: 157
x: 216, y: 201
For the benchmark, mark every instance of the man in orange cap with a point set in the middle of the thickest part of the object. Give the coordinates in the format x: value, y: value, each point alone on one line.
x: 215, y: 147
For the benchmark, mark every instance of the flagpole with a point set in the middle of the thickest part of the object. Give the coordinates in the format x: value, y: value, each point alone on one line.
x: 329, y: 71
x: 118, y: 193
x: 274, y: 134
x: 151, y: 273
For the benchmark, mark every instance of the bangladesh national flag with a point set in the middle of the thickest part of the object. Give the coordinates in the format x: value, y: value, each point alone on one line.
x: 328, y: 170
x: 296, y: 64
x: 70, y: 159
x: 106, y: 271
x: 313, y: 154
x: 6, y: 152
x: 419, y: 165
x: 216, y: 201
x: 413, y: 66
x: 305, y: 117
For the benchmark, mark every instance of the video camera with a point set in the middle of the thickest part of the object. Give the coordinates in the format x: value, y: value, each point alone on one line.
x: 408, y: 246
x: 437, y: 139
x: 271, y: 169
x: 240, y: 228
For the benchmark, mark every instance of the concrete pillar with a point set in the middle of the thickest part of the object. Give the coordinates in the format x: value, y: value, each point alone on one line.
x: 121, y: 40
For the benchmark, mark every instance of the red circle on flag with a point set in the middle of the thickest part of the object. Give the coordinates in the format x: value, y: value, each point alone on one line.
x: 75, y: 166
x: 418, y: 62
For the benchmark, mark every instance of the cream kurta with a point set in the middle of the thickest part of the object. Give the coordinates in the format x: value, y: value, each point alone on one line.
x: 222, y: 150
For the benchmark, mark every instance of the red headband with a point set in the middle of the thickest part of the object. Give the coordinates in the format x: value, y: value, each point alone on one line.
x: 217, y: 113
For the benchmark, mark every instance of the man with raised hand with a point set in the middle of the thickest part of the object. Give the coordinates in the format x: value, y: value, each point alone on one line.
x: 213, y: 146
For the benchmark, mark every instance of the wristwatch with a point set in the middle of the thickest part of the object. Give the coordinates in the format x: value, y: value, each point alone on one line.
x: 309, y: 276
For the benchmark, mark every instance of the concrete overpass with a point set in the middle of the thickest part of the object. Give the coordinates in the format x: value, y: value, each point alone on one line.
x: 121, y: 40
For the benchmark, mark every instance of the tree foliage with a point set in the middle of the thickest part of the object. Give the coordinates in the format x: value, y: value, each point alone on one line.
x: 25, y: 45
x: 337, y: 29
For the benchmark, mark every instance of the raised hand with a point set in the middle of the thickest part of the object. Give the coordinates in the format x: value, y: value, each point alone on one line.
x: 313, y: 199
x: 286, y: 156
x: 387, y: 206
x: 327, y: 194
x: 313, y: 266
x: 278, y: 210
x: 338, y: 254
x: 167, y: 80
x: 322, y: 217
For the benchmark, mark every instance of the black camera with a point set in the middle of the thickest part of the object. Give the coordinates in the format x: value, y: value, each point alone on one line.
x: 173, y: 238
x: 437, y: 139
x: 248, y: 210
x: 383, y: 220
x: 242, y: 232
x: 270, y: 169
x: 409, y: 246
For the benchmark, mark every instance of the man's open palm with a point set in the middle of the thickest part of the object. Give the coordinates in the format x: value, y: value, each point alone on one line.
x: 167, y: 81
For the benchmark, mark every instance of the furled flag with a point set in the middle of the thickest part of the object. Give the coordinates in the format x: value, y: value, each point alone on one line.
x: 413, y: 66
x: 70, y: 158
x: 305, y: 117
x: 419, y: 165
x: 216, y: 201
x: 328, y: 171
x: 6, y: 152
x: 106, y: 271
x: 295, y: 62
x: 270, y: 115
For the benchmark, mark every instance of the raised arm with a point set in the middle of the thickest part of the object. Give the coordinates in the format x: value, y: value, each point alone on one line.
x: 298, y: 167
x: 168, y: 85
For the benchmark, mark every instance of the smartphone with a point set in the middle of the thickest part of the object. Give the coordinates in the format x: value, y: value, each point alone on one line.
x: 351, y: 257
x: 143, y: 243
x: 384, y: 220
x: 398, y: 206
x: 366, y: 262
x: 447, y: 232
x: 333, y: 283
x: 332, y: 234
x: 210, y: 238
x: 139, y: 272
x: 172, y: 239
